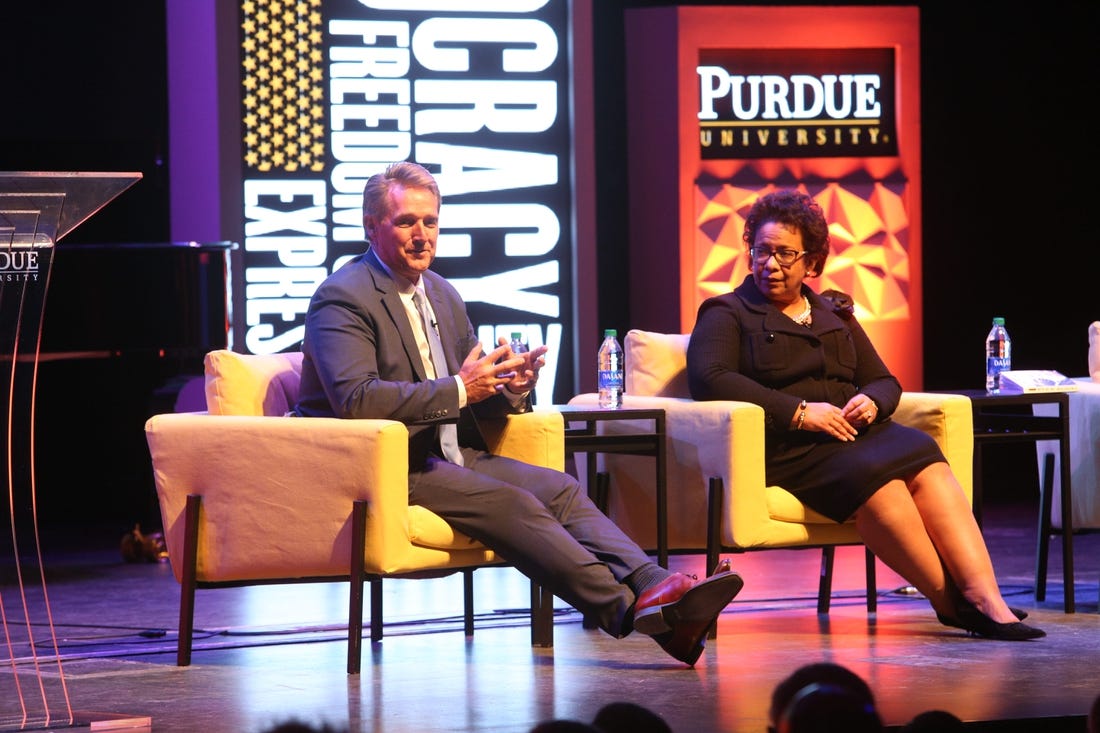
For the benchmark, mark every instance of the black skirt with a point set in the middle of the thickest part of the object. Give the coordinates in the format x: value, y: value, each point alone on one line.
x: 835, y: 478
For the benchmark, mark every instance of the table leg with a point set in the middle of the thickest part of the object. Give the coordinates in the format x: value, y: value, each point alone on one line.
x: 662, y: 498
x: 603, y: 490
x: 1042, y: 548
x: 977, y: 499
x: 590, y: 473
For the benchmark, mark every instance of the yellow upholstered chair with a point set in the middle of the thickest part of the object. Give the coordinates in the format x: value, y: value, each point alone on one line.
x: 248, y: 495
x: 718, y: 498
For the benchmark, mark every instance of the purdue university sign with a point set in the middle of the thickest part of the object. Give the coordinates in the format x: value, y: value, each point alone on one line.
x: 796, y: 103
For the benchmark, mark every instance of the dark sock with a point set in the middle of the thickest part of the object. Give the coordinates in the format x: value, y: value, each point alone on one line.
x: 645, y: 577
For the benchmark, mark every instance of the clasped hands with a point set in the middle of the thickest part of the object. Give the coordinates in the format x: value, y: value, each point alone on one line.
x: 841, y: 423
x: 488, y: 374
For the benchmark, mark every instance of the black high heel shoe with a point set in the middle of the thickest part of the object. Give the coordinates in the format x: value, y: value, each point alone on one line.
x: 970, y: 619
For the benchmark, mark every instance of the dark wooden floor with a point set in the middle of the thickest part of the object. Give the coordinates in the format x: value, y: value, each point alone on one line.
x: 266, y: 655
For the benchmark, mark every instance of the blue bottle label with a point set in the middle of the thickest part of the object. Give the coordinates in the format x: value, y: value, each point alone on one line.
x: 611, y: 379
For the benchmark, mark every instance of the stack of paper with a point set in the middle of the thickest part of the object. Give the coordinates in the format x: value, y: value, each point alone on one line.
x: 1036, y: 380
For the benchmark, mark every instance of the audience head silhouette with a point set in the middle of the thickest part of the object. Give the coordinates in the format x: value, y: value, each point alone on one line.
x: 934, y: 721
x: 821, y: 707
x: 821, y: 697
x: 628, y: 717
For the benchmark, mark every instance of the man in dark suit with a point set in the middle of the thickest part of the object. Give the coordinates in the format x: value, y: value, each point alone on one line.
x: 388, y: 338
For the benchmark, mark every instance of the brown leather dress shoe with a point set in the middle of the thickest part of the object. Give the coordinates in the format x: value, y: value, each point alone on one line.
x: 678, y: 601
x: 679, y: 618
x: 686, y: 643
x: 648, y: 616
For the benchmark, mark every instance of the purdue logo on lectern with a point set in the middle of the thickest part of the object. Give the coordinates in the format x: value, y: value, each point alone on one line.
x: 18, y: 265
x: 796, y: 103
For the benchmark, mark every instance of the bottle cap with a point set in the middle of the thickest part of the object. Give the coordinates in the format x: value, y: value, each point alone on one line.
x: 610, y: 333
x: 517, y: 335
x: 998, y: 321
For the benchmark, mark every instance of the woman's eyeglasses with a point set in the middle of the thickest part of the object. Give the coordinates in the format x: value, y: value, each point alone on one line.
x: 785, y: 257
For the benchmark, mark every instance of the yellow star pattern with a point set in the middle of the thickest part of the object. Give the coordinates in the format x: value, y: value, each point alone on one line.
x: 281, y: 91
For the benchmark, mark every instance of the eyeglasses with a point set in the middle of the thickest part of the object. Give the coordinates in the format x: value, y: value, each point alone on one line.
x: 785, y: 257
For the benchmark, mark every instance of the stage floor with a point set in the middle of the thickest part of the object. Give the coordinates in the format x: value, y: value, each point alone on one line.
x: 270, y: 654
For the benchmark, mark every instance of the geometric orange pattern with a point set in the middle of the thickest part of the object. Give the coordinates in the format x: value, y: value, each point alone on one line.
x: 868, y: 254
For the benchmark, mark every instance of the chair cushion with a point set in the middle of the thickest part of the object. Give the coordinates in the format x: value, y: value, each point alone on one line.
x: 784, y: 507
x: 427, y: 529
x: 252, y: 384
x: 656, y: 364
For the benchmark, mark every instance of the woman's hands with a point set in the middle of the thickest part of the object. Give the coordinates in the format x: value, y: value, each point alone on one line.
x: 841, y: 423
x: 860, y: 411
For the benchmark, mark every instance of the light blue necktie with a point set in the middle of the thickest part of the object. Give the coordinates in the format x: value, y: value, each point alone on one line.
x: 448, y: 432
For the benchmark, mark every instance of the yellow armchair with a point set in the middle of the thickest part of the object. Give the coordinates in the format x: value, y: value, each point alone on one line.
x: 718, y: 498
x: 248, y: 495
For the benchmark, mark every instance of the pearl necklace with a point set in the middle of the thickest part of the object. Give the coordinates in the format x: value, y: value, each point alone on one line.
x: 805, y: 318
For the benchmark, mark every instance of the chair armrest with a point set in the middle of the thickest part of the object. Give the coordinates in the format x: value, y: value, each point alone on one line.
x: 535, y: 437
x: 278, y: 491
x: 949, y: 419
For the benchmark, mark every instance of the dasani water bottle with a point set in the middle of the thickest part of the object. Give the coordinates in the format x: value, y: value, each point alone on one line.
x: 610, y: 375
x: 998, y: 356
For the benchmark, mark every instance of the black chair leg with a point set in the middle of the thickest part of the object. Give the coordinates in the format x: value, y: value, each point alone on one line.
x: 355, y: 602
x: 468, y: 601
x: 872, y: 580
x: 825, y: 582
x: 187, y: 586
x: 715, y: 487
x: 542, y: 616
x: 376, y: 610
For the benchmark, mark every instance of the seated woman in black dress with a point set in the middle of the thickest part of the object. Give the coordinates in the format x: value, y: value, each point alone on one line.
x: 827, y: 399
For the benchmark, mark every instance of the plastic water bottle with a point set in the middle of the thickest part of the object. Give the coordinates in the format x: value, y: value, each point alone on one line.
x: 517, y: 343
x: 610, y: 375
x: 998, y: 355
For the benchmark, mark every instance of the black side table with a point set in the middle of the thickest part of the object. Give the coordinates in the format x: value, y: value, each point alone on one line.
x: 1008, y: 418
x: 586, y: 439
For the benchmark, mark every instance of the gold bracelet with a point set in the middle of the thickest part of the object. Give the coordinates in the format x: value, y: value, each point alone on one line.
x: 801, y: 414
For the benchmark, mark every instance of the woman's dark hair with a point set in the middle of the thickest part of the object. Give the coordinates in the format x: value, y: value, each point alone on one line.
x: 798, y: 211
